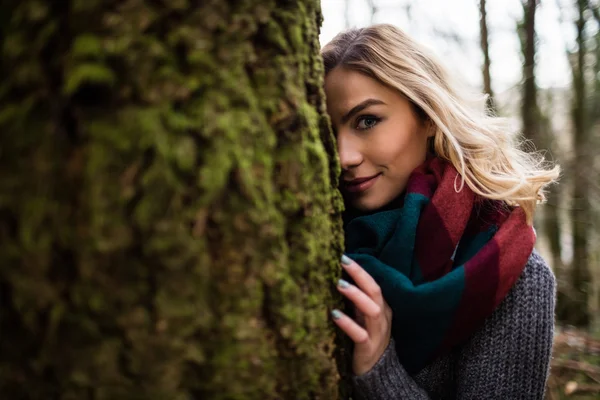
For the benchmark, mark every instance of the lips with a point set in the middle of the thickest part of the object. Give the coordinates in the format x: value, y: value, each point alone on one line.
x: 360, y: 180
x: 360, y: 184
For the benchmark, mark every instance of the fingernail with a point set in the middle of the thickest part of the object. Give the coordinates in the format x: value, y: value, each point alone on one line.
x: 336, y: 314
x: 346, y: 260
x: 343, y: 284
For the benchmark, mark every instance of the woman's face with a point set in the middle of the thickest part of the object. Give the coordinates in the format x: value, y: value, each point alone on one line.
x: 380, y: 138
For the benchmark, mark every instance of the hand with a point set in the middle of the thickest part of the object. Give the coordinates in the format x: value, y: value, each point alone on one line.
x: 372, y: 329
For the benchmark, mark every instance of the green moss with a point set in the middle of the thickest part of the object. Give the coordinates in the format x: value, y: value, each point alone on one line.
x: 36, y: 11
x: 86, y: 46
x: 88, y: 73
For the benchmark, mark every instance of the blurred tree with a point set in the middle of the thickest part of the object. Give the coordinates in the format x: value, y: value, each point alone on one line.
x: 594, y: 115
x: 169, y: 219
x: 484, y: 41
x: 537, y: 128
x: 529, y: 104
x: 578, y: 314
x: 550, y: 212
x: 373, y: 8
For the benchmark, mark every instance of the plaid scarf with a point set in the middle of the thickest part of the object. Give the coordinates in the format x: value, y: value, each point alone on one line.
x: 444, y: 260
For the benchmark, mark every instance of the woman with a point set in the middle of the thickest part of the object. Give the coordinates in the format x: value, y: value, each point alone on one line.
x: 451, y: 301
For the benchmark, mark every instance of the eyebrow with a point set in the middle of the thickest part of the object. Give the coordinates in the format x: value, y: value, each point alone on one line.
x: 359, y: 107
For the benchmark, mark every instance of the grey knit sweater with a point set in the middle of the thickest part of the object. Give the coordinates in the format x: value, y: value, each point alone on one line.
x: 507, y: 358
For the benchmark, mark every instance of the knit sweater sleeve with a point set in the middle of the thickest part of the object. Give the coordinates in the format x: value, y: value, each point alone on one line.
x: 508, y: 358
x: 387, y: 380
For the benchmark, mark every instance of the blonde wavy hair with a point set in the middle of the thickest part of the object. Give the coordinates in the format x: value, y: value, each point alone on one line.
x: 479, y: 145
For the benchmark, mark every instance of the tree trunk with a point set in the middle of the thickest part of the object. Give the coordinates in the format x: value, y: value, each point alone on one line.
x: 529, y: 105
x: 552, y: 225
x: 594, y: 193
x: 487, y: 79
x: 595, y: 117
x: 372, y: 11
x: 580, y: 274
x: 530, y: 113
x: 169, y: 219
x: 551, y: 210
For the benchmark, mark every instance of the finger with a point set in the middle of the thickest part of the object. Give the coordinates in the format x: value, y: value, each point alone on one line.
x: 357, y: 333
x: 362, y: 279
x: 360, y: 299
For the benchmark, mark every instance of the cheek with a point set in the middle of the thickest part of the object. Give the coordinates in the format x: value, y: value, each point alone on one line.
x: 402, y: 151
x: 402, y: 155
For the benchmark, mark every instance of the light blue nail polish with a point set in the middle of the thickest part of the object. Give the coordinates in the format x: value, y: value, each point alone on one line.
x: 343, y: 284
x: 346, y: 260
x: 336, y: 314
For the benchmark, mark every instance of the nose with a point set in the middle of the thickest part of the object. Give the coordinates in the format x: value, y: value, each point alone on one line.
x: 349, y: 150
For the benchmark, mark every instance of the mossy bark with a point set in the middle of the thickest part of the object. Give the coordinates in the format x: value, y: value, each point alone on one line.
x: 169, y: 219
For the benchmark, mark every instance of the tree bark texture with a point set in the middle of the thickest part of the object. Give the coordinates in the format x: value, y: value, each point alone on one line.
x: 169, y: 219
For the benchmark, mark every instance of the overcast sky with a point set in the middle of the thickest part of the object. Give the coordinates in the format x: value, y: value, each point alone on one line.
x: 462, y: 18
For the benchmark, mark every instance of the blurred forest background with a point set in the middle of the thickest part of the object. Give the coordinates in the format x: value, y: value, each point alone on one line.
x: 539, y: 63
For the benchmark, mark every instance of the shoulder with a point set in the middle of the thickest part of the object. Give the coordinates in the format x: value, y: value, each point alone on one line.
x: 511, y: 352
x: 527, y: 310
x: 536, y: 266
x: 525, y: 314
x: 536, y: 284
x: 531, y: 300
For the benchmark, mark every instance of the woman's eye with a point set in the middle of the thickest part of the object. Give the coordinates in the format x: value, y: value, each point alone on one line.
x: 366, y: 122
